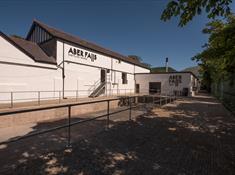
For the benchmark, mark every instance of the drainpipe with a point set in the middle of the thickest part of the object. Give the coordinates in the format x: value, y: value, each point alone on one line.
x: 63, y: 75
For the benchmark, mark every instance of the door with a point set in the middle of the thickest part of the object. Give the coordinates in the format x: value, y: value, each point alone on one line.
x: 102, y: 75
x: 137, y: 88
x: 154, y: 87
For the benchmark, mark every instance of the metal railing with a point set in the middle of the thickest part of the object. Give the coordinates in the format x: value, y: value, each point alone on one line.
x: 131, y: 100
x: 9, y: 99
x: 13, y: 97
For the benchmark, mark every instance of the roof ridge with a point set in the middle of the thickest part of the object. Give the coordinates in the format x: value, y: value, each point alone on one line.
x: 86, y: 44
x: 73, y: 35
x: 53, y: 28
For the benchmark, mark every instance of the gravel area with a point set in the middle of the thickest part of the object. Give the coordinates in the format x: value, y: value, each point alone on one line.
x: 189, y: 136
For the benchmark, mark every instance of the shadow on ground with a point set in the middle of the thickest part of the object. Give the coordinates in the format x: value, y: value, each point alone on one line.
x: 191, y: 136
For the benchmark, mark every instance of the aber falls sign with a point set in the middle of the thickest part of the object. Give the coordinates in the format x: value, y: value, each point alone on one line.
x: 82, y: 54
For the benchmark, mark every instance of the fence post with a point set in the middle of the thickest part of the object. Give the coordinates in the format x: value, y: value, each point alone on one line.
x: 39, y: 98
x: 69, y: 127
x: 130, y: 108
x: 160, y: 100
x: 77, y: 95
x: 11, y: 99
x: 59, y: 96
x: 107, y: 127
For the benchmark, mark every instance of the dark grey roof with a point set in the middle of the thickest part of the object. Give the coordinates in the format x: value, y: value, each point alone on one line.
x: 76, y: 40
x: 33, y: 50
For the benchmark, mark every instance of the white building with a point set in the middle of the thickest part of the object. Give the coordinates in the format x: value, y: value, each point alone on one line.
x: 51, y: 60
x: 171, y: 83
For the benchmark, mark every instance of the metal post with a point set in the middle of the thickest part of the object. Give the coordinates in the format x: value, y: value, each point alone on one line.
x: 11, y: 99
x: 77, y: 95
x: 107, y: 127
x: 69, y: 127
x: 59, y: 96
x: 130, y: 108
x: 39, y: 98
x: 160, y: 100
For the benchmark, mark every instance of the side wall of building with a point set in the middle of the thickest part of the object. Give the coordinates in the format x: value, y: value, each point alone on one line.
x: 83, y: 73
x: 19, y: 72
x: 166, y: 88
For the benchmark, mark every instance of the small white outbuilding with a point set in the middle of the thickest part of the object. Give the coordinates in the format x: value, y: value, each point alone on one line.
x: 170, y: 83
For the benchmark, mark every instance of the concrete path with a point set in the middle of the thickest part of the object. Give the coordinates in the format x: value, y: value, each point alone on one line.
x: 190, y: 136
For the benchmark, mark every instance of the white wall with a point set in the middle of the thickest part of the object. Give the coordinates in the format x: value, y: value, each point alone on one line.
x: 9, y: 53
x: 141, y: 70
x: 144, y: 79
x: 27, y: 75
x: 25, y: 78
x: 88, y: 75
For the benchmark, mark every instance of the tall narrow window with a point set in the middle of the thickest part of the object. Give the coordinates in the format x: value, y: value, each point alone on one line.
x: 124, y: 78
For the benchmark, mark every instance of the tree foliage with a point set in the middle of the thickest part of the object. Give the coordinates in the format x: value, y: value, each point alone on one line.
x: 135, y: 57
x: 187, y: 9
x: 139, y: 59
x: 217, y: 60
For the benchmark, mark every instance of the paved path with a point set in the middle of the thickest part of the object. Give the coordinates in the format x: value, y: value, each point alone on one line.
x: 190, y: 136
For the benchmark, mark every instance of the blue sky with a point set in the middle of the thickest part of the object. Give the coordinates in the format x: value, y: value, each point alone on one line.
x: 130, y: 27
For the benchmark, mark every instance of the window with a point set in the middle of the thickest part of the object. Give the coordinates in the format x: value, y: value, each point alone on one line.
x: 124, y: 78
x: 154, y: 87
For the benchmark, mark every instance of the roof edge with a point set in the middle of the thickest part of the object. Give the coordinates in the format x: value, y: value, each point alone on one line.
x: 22, y: 49
x: 38, y: 23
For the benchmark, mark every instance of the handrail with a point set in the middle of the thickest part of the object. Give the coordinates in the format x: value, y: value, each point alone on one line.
x: 101, y: 87
x: 69, y: 106
x: 93, y: 87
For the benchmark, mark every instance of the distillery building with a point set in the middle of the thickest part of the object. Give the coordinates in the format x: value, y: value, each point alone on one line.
x: 54, y: 61
x: 49, y: 63
x: 170, y: 83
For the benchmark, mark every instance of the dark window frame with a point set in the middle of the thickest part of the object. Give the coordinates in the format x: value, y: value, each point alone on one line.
x: 124, y: 78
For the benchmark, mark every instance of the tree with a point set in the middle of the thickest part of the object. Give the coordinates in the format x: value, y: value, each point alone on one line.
x: 187, y: 9
x: 139, y: 59
x: 136, y: 58
x: 218, y: 57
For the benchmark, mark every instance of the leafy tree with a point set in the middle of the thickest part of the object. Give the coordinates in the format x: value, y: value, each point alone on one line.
x: 139, y: 59
x: 136, y: 58
x: 218, y: 57
x: 187, y: 9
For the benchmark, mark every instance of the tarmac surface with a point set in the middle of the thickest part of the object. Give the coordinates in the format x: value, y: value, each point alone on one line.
x: 190, y: 136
